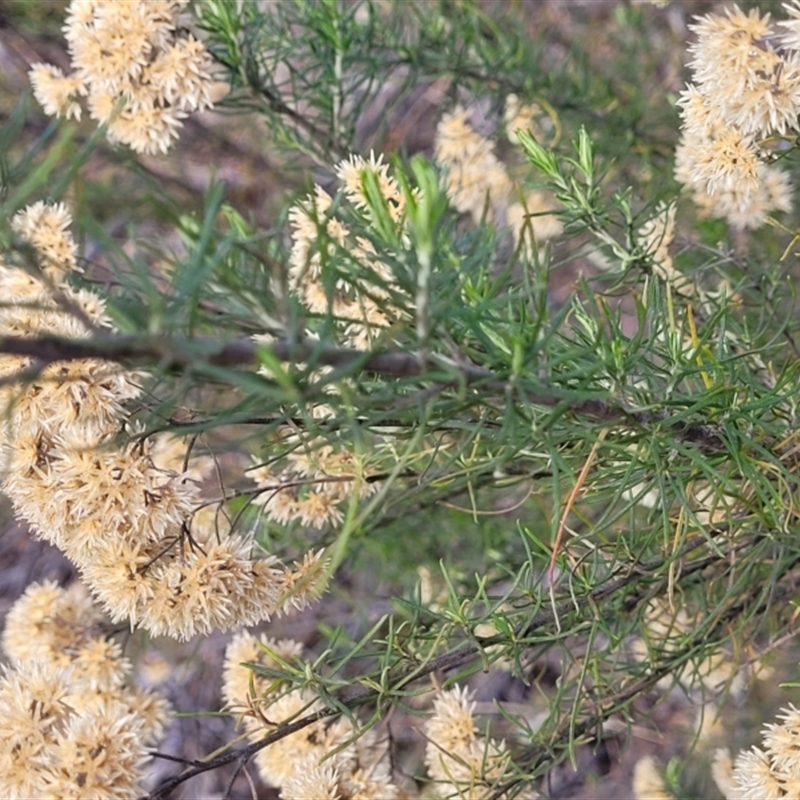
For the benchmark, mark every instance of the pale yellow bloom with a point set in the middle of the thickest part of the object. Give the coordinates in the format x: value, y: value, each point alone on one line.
x: 313, y: 780
x: 46, y: 227
x: 782, y: 742
x: 722, y: 772
x: 477, y: 183
x: 32, y: 709
x: 131, y: 526
x: 700, y: 118
x: 50, y: 624
x: 523, y: 116
x: 244, y: 688
x: 755, y: 776
x: 58, y: 96
x: 460, y: 762
x: 726, y: 162
x: 362, y: 300
x: 140, y: 74
x: 701, y: 165
x: 752, y: 86
x: 726, y: 44
x: 181, y: 75
x: 68, y: 725
x: 314, y: 487
x: 475, y: 179
x: 324, y: 759
x: 791, y: 37
x: 304, y: 583
x: 101, y: 663
x: 278, y: 762
x: 201, y: 589
x: 452, y: 724
x: 146, y: 129
x: 655, y: 236
x: 746, y: 87
x: 99, y: 754
x: 351, y: 173
x: 647, y: 781
x: 770, y: 103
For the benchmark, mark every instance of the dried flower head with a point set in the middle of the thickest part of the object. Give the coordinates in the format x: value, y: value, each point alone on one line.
x: 140, y: 73
x: 524, y: 116
x: 726, y: 42
x: 746, y: 204
x: 242, y: 687
x: 32, y: 708
x: 477, y: 183
x: 746, y: 87
x: 359, y: 294
x: 327, y: 758
x: 790, y: 39
x: 315, y: 485
x: 351, y: 172
x: 755, y: 776
x: 45, y: 227
x: 476, y: 180
x: 278, y: 762
x: 655, y: 237
x: 460, y: 762
x: 59, y: 96
x: 68, y: 725
x: 132, y: 526
x: 50, y: 624
x: 313, y: 781
x: 648, y: 784
x: 452, y: 725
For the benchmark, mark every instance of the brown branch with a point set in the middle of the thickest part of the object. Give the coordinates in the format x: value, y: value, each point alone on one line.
x: 239, y: 754
x: 193, y: 353
x: 178, y: 352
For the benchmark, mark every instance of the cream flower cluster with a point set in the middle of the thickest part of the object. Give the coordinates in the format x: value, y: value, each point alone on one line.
x: 648, y: 784
x: 46, y: 228
x: 118, y: 507
x: 772, y: 772
x: 477, y: 182
x: 746, y: 90
x: 139, y: 72
x: 332, y: 759
x: 361, y: 301
x: 69, y: 725
x: 325, y: 760
x: 365, y: 300
x: 461, y: 762
x: 316, y: 480
x: 314, y: 486
x: 655, y: 238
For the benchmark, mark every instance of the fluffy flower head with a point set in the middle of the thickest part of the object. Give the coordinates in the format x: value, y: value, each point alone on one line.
x: 140, y: 74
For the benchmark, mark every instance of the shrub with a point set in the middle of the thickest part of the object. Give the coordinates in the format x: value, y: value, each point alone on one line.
x: 516, y: 389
